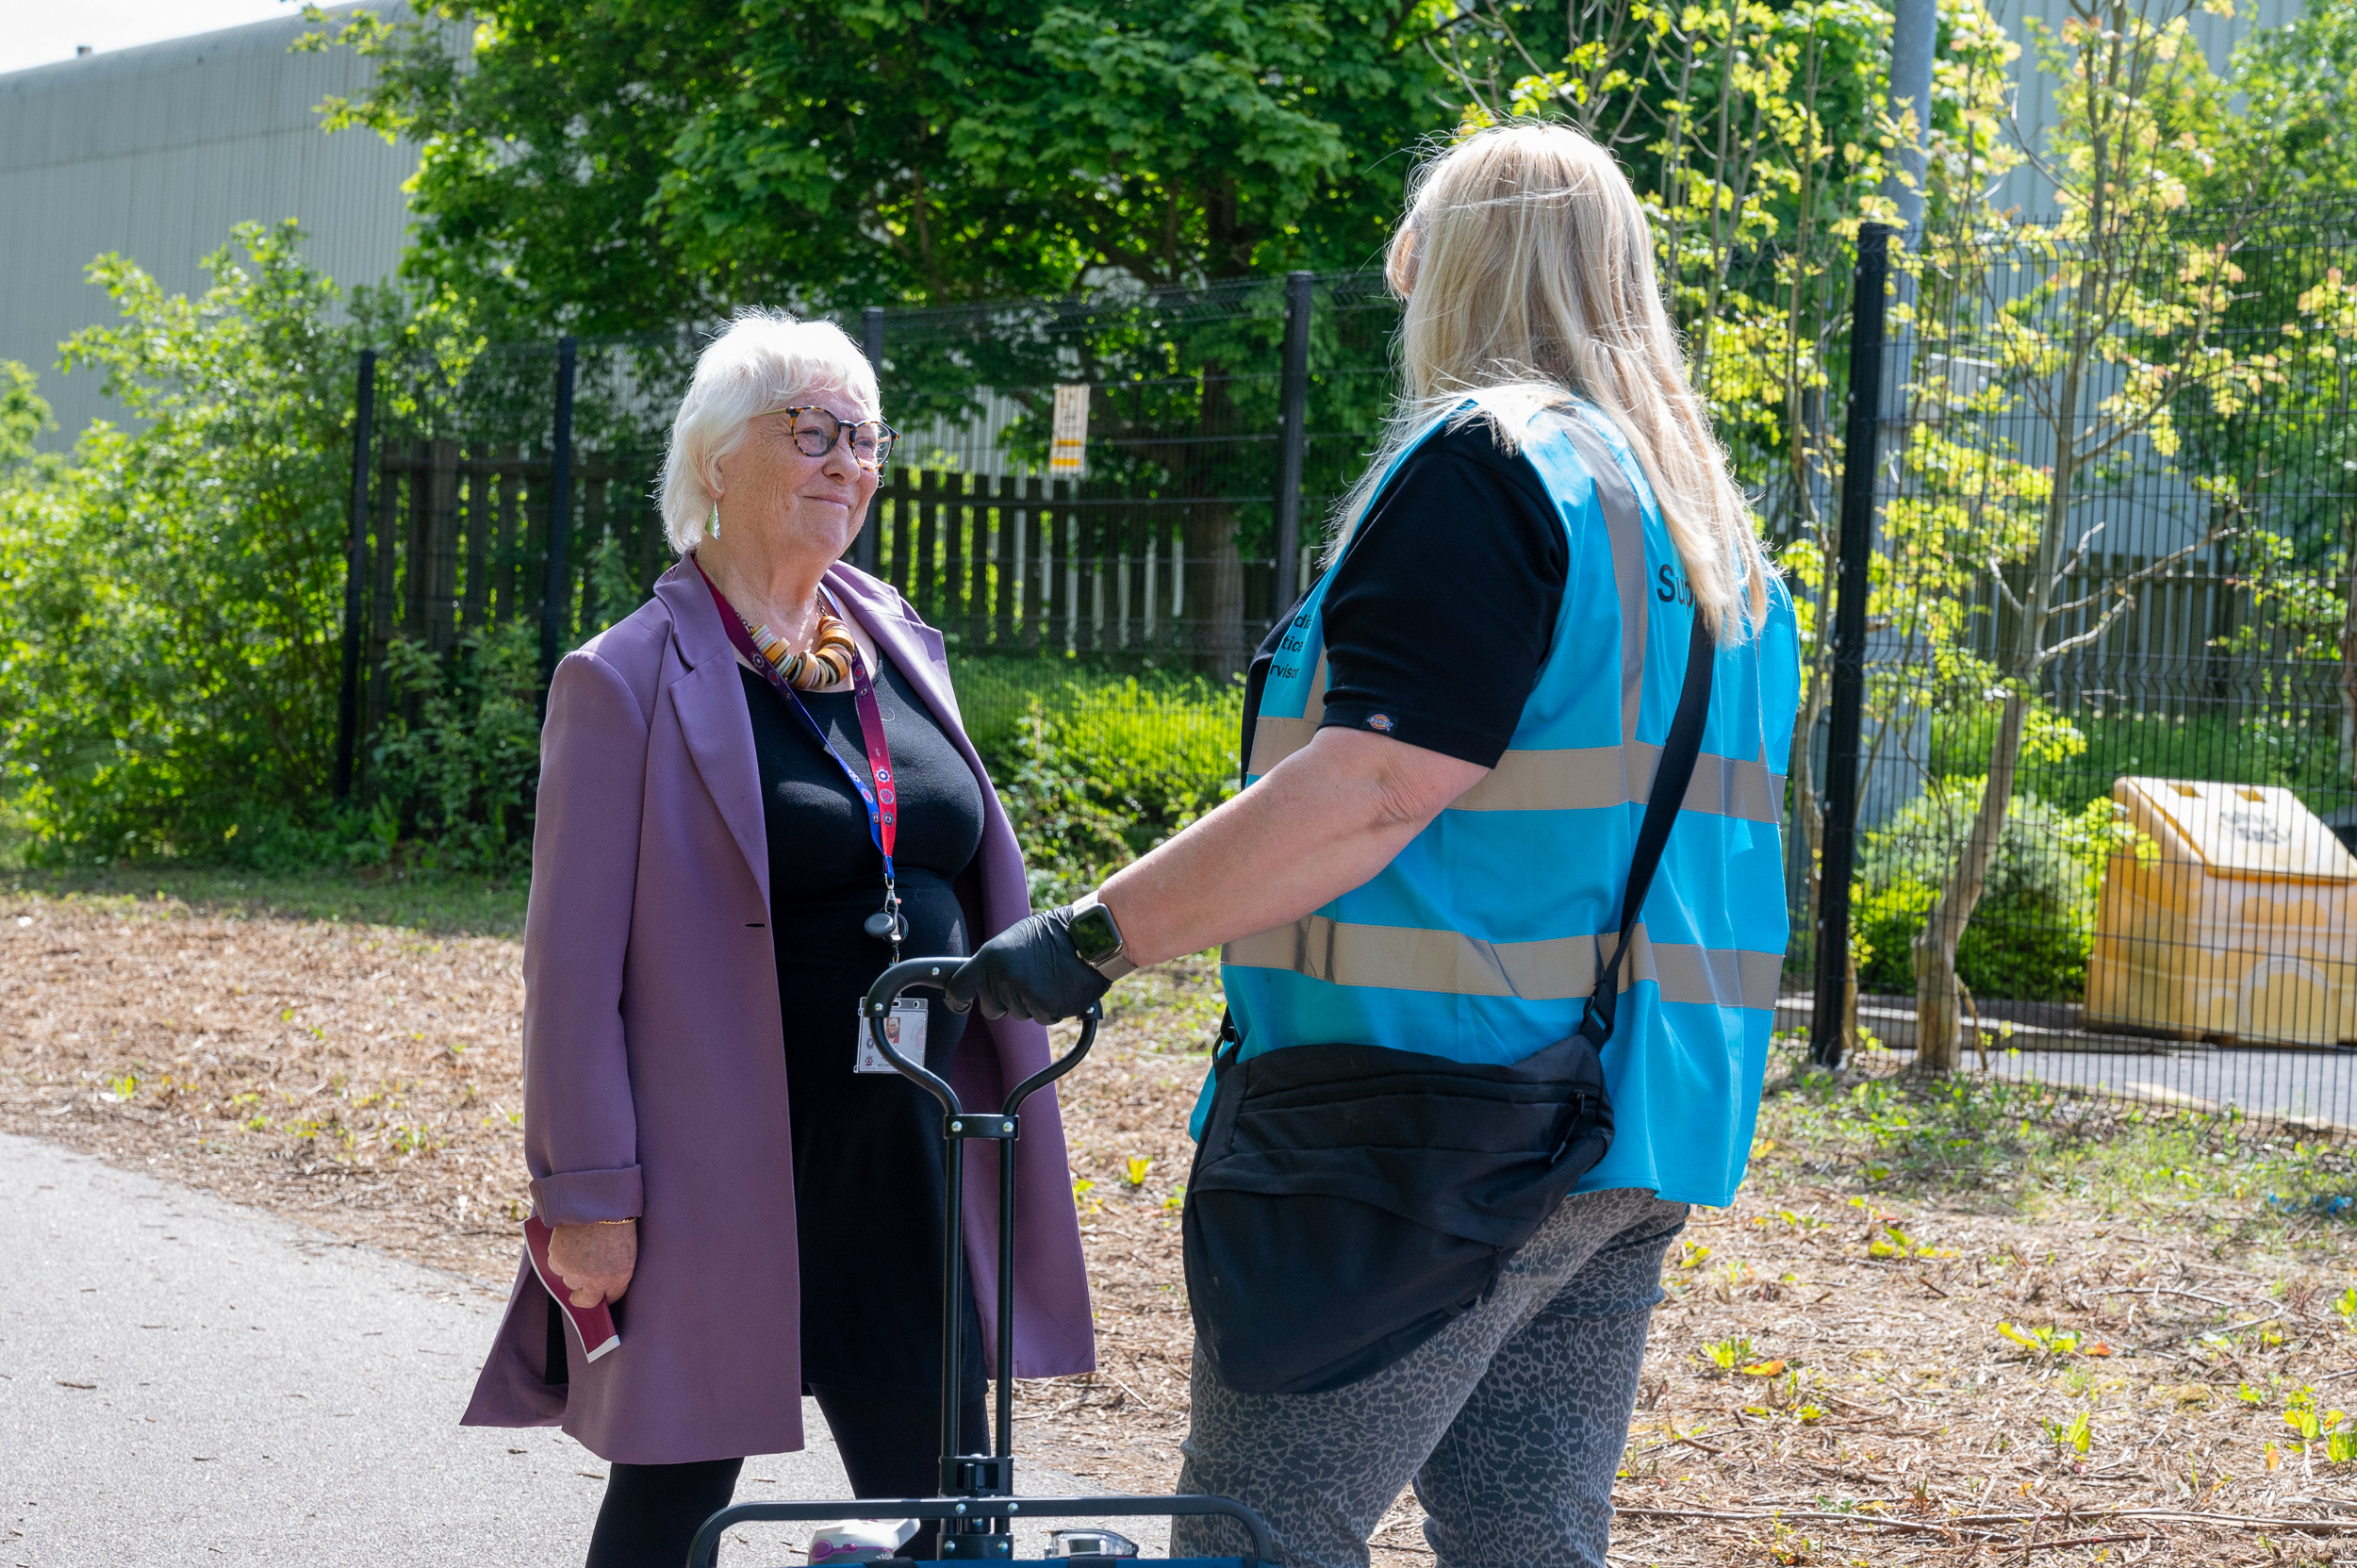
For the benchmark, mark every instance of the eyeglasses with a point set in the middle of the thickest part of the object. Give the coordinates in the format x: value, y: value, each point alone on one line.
x: 817, y: 430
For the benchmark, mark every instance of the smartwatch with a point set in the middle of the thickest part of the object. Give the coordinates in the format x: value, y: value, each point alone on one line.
x: 1098, y: 939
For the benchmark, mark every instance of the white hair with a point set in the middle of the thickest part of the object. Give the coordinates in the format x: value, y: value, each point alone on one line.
x: 1527, y: 269
x: 764, y: 361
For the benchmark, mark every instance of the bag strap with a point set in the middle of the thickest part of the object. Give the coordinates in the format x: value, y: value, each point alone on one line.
x: 1670, y: 779
x: 1228, y: 1044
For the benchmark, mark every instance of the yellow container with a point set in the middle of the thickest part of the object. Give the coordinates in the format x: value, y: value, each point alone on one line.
x: 2243, y: 927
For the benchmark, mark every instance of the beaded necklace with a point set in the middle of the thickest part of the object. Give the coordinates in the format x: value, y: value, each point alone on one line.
x: 825, y: 662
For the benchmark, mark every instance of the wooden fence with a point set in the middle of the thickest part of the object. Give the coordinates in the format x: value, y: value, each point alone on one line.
x: 1025, y: 564
x: 2179, y: 650
x: 457, y: 544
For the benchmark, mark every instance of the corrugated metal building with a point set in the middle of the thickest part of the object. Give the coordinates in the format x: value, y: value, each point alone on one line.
x: 156, y: 152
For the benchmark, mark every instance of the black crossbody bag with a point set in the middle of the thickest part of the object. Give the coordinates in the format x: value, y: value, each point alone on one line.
x: 1347, y: 1201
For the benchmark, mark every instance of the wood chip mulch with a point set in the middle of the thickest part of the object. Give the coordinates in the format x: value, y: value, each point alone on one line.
x: 1837, y: 1378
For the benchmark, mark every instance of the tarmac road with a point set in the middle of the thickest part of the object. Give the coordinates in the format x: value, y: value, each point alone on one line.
x: 2312, y: 1085
x: 2315, y: 1086
x: 186, y: 1381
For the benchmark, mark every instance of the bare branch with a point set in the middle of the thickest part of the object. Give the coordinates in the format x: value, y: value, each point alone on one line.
x: 1997, y: 577
x: 2125, y: 587
x: 2127, y: 602
x: 2079, y: 555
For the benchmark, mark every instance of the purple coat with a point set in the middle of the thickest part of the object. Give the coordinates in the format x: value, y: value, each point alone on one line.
x: 655, y: 1067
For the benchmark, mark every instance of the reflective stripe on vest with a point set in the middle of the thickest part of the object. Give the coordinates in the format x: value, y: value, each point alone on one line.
x: 1480, y: 941
x: 1559, y: 968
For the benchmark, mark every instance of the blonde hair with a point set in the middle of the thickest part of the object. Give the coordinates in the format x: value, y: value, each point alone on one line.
x: 763, y: 362
x: 1527, y: 269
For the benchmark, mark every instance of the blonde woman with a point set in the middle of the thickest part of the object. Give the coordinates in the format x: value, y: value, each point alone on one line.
x: 1490, y: 1034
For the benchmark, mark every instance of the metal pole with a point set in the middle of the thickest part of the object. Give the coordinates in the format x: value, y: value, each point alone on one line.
x: 1004, y: 1447
x: 1914, y: 31
x: 1858, y: 460
x: 871, y: 341
x: 1300, y: 299
x: 355, y: 574
x: 953, y: 1298
x: 556, y: 623
x: 1915, y: 28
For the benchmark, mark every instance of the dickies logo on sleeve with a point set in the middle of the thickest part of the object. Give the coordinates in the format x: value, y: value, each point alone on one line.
x: 1379, y: 721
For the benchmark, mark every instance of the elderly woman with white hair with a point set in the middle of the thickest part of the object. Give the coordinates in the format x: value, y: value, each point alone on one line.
x: 755, y: 793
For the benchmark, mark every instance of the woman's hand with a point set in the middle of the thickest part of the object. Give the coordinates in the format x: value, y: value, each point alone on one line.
x: 1029, y: 969
x: 595, y: 1260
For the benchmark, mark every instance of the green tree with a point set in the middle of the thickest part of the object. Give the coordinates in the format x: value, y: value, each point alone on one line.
x: 617, y: 165
x: 2093, y: 332
x: 2291, y: 143
x: 2290, y: 149
x: 624, y: 163
x: 169, y: 618
x: 545, y: 130
x: 23, y: 414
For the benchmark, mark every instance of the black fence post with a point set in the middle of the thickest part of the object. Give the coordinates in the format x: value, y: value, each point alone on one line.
x: 1300, y: 298
x: 872, y: 342
x: 1859, y: 457
x: 355, y: 574
x: 556, y: 600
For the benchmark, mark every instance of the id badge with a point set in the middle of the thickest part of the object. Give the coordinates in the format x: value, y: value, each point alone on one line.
x: 905, y: 1026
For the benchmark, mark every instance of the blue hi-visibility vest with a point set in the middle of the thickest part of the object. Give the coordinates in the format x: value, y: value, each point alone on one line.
x: 1482, y: 939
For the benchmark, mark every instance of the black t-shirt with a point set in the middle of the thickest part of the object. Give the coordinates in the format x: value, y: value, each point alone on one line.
x: 866, y: 1147
x: 1441, y: 614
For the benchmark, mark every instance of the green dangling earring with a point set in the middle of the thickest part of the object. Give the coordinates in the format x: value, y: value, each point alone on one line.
x: 712, y: 524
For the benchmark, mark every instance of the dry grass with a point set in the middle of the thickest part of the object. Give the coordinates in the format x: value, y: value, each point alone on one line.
x: 1925, y: 1332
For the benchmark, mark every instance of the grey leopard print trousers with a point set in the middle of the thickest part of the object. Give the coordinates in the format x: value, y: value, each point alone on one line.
x: 1509, y: 1422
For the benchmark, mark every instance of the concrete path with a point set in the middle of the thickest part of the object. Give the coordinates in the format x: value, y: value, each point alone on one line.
x: 183, y: 1381
x: 2301, y: 1083
x: 2290, y: 1081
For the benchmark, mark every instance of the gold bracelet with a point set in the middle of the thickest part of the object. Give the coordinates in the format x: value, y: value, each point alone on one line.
x: 632, y: 1220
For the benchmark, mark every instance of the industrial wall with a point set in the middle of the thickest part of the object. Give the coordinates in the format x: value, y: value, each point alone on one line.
x: 156, y: 152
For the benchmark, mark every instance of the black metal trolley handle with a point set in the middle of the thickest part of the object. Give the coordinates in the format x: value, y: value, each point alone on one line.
x: 957, y: 1125
x: 978, y: 1500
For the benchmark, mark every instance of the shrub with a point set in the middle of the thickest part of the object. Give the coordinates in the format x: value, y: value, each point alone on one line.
x: 456, y: 759
x: 169, y: 618
x: 1095, y: 774
x: 2267, y: 743
x: 2035, y: 925
x: 1071, y: 842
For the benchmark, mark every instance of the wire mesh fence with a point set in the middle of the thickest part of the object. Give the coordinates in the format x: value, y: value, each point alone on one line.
x: 2106, y: 671
x: 2091, y: 534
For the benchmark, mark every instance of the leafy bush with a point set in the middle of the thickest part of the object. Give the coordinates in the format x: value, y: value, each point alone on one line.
x: 1071, y: 841
x: 170, y: 600
x: 2263, y: 744
x: 1094, y: 775
x: 2035, y: 925
x: 454, y: 760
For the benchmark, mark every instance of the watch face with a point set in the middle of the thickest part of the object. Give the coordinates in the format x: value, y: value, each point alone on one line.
x: 1094, y: 937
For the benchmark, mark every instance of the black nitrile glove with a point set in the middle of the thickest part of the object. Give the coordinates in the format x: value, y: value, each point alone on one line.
x: 1029, y: 969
